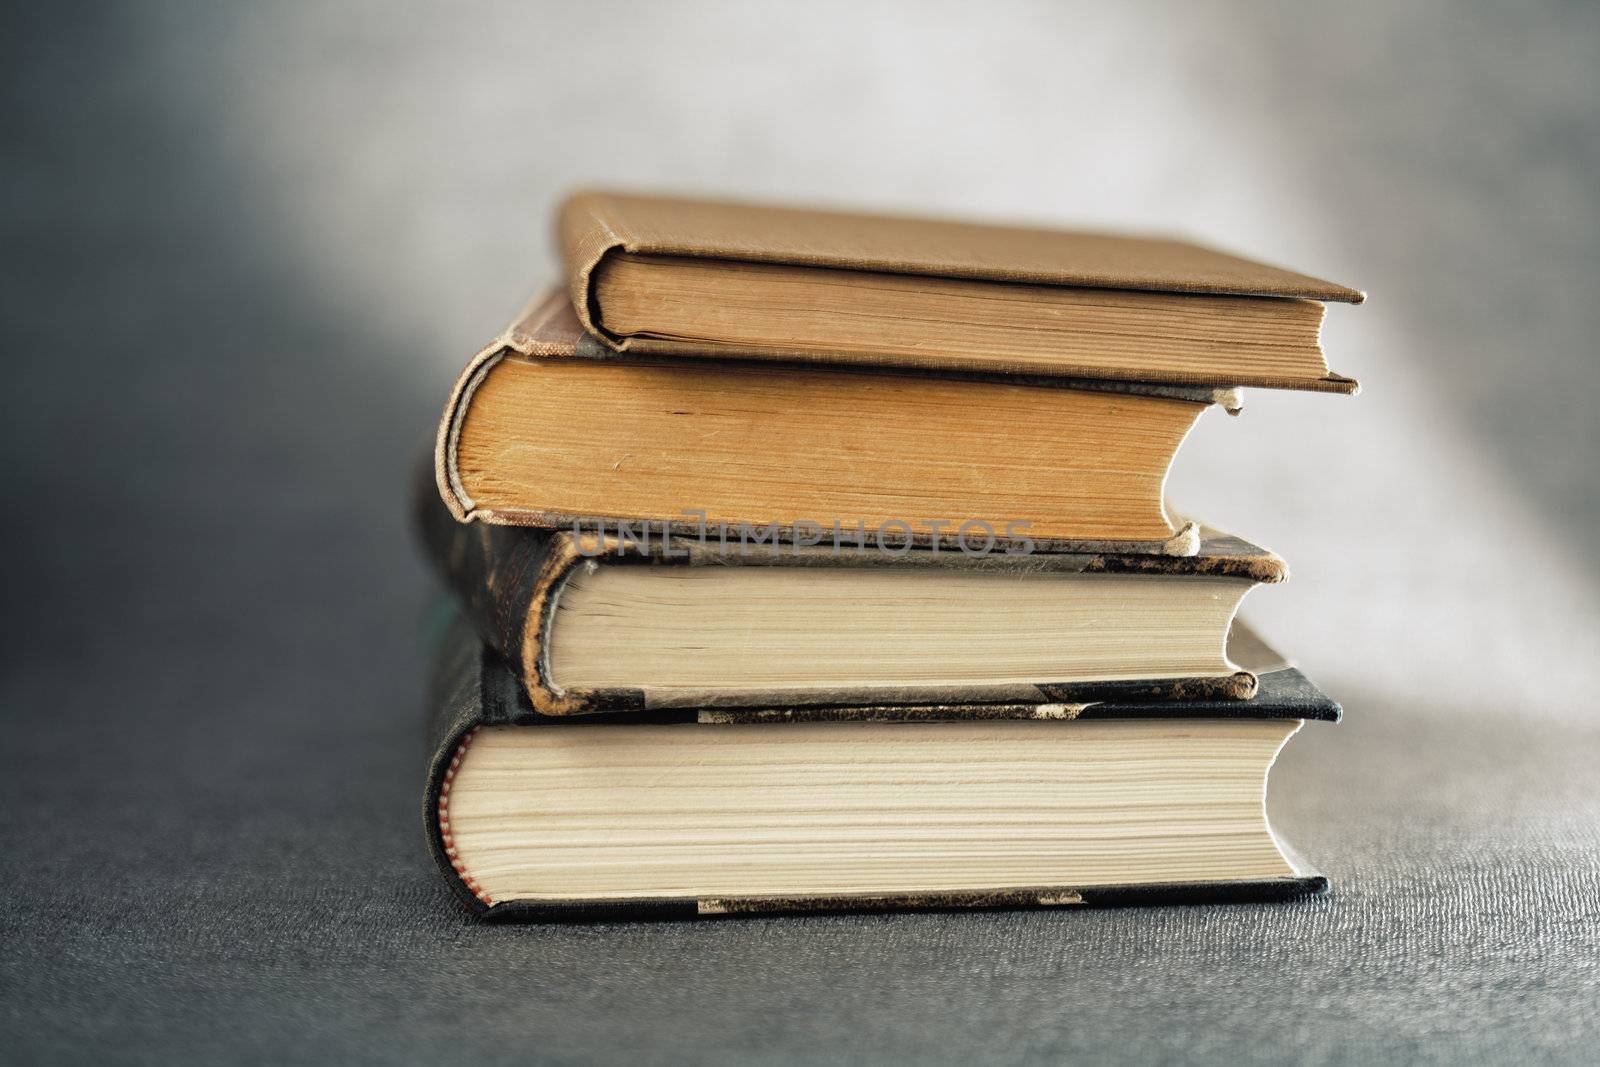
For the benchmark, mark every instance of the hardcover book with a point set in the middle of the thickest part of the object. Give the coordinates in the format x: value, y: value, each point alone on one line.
x: 664, y: 276
x: 599, y: 623
x: 548, y: 427
x: 714, y: 812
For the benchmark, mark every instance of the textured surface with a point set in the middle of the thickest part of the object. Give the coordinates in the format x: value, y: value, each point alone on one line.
x: 244, y: 259
x: 270, y: 895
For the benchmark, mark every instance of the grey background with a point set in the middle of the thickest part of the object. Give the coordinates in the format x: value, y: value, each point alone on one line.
x: 246, y: 250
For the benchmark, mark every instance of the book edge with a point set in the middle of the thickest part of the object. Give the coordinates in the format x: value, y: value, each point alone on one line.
x: 1227, y: 891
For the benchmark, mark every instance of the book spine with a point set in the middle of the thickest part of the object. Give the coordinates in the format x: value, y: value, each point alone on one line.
x: 456, y: 709
x: 540, y: 329
x: 495, y: 571
x: 587, y: 232
x: 506, y: 579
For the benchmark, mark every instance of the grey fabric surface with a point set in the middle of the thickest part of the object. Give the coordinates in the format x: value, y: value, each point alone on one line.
x: 256, y: 888
x: 212, y: 690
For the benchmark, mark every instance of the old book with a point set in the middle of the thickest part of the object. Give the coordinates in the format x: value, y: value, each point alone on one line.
x: 718, y: 813
x: 546, y: 427
x: 660, y: 276
x: 600, y: 624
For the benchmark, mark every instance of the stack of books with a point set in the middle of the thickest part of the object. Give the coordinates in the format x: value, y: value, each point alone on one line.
x: 809, y: 560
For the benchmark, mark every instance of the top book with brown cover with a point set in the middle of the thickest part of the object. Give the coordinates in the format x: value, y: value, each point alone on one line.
x: 663, y: 276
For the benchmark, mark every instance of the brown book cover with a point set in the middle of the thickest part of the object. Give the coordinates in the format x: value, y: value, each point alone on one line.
x: 473, y: 690
x: 548, y: 331
x: 597, y: 225
x: 510, y: 579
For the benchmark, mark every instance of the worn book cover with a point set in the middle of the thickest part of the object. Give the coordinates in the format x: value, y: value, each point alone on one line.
x: 511, y: 579
x: 671, y: 276
x: 546, y: 426
x: 475, y: 690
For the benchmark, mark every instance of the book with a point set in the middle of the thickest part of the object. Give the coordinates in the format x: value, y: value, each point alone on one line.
x: 548, y: 427
x: 664, y: 276
x: 707, y: 812
x: 597, y: 624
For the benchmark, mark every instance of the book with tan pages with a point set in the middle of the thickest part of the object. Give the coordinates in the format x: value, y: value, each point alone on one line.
x: 664, y: 276
x: 548, y: 427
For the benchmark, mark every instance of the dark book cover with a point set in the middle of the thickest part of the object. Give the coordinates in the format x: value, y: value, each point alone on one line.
x: 473, y: 688
x: 508, y: 580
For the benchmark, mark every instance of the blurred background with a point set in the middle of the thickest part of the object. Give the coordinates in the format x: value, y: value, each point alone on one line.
x: 248, y: 247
